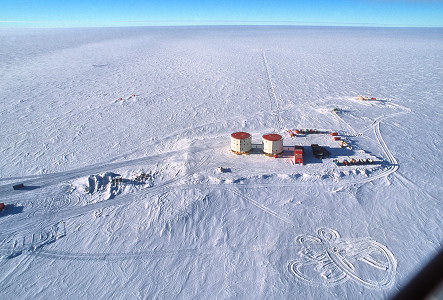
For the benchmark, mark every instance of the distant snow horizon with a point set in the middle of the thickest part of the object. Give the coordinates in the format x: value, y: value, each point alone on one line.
x: 197, y: 23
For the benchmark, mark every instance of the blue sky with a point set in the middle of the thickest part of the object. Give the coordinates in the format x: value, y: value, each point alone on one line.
x: 84, y: 13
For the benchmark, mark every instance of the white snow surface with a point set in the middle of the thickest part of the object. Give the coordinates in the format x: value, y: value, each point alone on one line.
x: 265, y: 229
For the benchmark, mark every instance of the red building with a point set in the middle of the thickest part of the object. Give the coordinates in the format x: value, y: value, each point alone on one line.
x: 298, y: 155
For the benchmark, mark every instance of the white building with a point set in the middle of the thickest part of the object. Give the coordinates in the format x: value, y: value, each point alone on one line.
x: 241, y: 142
x: 272, y: 144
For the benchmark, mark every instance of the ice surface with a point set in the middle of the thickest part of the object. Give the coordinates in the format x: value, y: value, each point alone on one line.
x: 117, y: 135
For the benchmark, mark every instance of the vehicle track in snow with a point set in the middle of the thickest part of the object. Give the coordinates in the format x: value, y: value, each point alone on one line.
x: 340, y: 120
x: 275, y: 104
x: 55, y: 178
x: 261, y: 206
x: 115, y: 256
x: 61, y: 214
x: 338, y: 260
x: 26, y: 242
x: 375, y: 125
x: 151, y: 192
x: 27, y: 225
x: 393, y: 163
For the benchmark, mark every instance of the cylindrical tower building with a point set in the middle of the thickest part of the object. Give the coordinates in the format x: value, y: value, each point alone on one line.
x: 241, y: 142
x: 272, y: 144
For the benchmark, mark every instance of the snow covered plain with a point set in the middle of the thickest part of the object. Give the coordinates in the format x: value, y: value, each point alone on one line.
x: 265, y: 230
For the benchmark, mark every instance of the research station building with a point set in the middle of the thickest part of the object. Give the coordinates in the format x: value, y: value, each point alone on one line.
x: 241, y: 142
x: 272, y: 144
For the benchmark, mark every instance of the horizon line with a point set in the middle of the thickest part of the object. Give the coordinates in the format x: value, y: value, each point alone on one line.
x: 203, y: 23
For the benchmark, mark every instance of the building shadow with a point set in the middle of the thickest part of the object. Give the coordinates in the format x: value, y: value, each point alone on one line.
x: 337, y: 152
x: 11, y: 209
x: 29, y: 188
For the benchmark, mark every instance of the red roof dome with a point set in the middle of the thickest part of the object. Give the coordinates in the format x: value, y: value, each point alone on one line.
x: 272, y: 137
x: 240, y: 135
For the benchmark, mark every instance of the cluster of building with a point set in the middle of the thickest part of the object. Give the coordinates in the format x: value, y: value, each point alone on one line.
x: 272, y: 145
x: 241, y: 143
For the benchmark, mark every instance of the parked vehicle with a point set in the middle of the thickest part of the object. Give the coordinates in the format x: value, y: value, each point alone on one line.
x: 319, y: 152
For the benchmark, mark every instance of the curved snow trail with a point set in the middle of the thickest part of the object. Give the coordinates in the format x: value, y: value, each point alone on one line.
x: 70, y: 212
x: 385, y: 148
x: 405, y: 110
x: 391, y: 158
x: 55, y: 178
x: 273, y: 95
x: 390, y: 268
x: 393, y: 167
x: 335, y: 260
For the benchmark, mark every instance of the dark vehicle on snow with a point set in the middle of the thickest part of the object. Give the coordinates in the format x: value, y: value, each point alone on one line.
x: 319, y: 152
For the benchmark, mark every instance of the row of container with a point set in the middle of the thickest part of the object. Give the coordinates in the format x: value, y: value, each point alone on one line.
x: 241, y: 143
